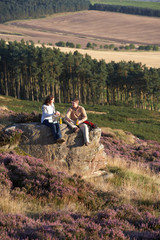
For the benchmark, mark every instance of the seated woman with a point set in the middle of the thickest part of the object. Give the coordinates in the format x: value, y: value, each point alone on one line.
x: 49, y: 118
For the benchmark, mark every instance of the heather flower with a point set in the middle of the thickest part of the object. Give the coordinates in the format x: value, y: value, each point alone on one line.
x: 10, y: 136
x: 35, y: 178
x: 30, y: 178
x: 4, y: 179
x: 146, y: 152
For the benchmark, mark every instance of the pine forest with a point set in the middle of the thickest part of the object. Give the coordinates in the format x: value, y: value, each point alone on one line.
x: 30, y: 72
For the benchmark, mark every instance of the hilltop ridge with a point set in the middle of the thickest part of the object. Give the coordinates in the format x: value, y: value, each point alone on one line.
x: 36, y: 201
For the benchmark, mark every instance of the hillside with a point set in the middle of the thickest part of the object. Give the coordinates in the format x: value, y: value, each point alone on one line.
x: 38, y: 202
x: 101, y: 29
x: 30, y: 72
x: 86, y: 26
x: 141, y: 123
x: 10, y: 10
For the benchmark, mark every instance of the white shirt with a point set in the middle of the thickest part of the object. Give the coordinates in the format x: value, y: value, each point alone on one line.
x: 48, y: 113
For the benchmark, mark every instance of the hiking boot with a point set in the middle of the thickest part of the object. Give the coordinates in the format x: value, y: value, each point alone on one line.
x: 60, y: 140
x: 86, y: 143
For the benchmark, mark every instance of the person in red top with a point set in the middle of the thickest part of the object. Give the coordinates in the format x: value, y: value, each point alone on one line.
x: 75, y: 117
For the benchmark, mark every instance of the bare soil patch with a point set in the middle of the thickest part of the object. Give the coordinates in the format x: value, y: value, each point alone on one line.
x: 91, y: 26
x: 100, y: 113
x: 3, y: 108
x: 3, y: 98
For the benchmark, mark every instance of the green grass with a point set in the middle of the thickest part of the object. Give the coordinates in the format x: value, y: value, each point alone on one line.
x: 130, y: 182
x: 140, y: 4
x: 144, y: 124
x: 18, y: 106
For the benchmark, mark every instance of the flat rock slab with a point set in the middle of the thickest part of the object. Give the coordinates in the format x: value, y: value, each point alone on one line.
x: 72, y: 155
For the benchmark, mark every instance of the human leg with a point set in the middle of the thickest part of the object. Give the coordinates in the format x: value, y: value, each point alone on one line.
x: 58, y: 131
x: 55, y: 129
x: 72, y: 125
x: 85, y: 130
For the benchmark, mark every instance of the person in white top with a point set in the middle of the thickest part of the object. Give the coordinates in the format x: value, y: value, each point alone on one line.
x: 49, y: 118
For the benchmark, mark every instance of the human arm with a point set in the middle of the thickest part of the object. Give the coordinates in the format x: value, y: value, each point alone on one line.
x: 68, y: 115
x: 83, y: 115
x: 46, y: 112
x: 57, y: 113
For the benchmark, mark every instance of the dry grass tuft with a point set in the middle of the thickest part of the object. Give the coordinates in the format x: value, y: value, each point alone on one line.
x: 131, y: 182
x: 9, y: 205
x: 3, y: 108
x: 119, y: 134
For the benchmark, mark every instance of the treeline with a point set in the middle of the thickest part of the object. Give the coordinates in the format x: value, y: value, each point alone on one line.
x: 20, y: 9
x: 31, y: 73
x: 126, y: 9
x: 90, y: 45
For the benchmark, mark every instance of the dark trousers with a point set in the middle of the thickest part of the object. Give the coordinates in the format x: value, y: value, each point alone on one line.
x: 55, y: 129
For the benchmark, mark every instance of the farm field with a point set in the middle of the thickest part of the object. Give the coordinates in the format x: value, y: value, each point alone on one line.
x: 91, y: 26
x: 141, y: 4
x: 150, y: 59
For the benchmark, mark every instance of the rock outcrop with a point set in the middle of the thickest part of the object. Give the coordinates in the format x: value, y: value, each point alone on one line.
x: 72, y: 155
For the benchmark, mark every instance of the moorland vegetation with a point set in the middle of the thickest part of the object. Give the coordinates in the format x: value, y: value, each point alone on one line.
x: 37, y: 202
x: 40, y: 203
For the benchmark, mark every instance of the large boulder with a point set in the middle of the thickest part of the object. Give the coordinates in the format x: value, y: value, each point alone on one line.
x: 72, y: 155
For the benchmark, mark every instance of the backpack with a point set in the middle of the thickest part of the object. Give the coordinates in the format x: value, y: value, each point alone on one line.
x: 90, y: 124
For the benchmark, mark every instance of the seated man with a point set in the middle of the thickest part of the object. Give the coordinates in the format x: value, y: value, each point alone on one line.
x: 75, y: 117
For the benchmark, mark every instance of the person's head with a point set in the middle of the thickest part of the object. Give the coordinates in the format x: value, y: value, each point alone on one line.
x: 75, y: 103
x: 49, y: 100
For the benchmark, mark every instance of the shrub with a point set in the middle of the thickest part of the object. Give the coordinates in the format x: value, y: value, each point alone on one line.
x: 106, y: 46
x: 141, y: 48
x: 148, y: 47
x: 60, y: 44
x: 78, y: 45
x: 70, y: 44
x: 127, y: 47
x: 155, y: 48
x: 89, y: 45
x: 132, y: 46
x: 117, y: 224
x: 147, y: 152
x: 38, y: 180
x: 10, y: 136
x: 111, y: 46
